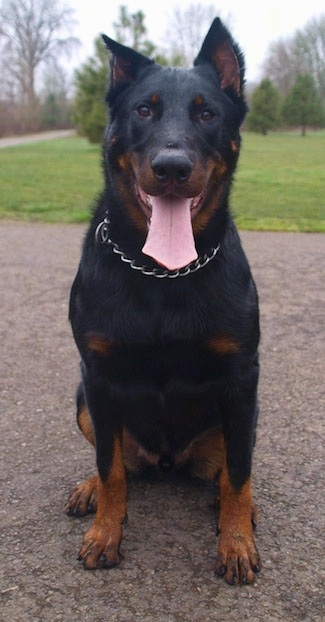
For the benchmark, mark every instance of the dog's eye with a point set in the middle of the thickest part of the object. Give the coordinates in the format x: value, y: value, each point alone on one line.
x: 144, y: 111
x: 206, y: 115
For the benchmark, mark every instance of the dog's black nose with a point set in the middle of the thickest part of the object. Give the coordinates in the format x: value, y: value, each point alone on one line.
x: 172, y: 165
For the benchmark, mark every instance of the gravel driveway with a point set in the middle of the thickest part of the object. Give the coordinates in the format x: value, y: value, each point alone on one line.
x: 167, y: 573
x: 13, y: 141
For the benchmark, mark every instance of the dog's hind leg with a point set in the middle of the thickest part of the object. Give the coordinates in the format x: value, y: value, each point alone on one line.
x: 83, y: 499
x: 83, y: 417
x: 207, y: 455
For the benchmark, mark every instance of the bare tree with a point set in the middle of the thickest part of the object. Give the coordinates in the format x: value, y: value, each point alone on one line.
x: 55, y: 97
x: 33, y: 32
x: 188, y: 28
x: 304, y: 53
x: 309, y: 49
x: 280, y: 65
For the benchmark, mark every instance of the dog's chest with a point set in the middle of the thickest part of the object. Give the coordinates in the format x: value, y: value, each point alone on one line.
x: 166, y: 394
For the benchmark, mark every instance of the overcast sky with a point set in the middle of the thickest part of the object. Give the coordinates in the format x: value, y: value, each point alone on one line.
x: 254, y: 24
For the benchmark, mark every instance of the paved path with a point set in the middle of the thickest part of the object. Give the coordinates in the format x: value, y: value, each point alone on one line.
x: 13, y: 141
x: 167, y: 573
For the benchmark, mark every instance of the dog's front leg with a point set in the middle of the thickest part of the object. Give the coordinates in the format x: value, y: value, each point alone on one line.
x: 237, y: 558
x: 100, y: 547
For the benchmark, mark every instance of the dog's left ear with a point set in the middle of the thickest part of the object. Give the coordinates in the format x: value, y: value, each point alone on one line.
x: 219, y: 49
x: 125, y: 63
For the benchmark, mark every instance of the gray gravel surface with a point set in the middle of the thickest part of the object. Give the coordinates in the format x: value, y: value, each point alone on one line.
x: 13, y: 141
x: 169, y: 544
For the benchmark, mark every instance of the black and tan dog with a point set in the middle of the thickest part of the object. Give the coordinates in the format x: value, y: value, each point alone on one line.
x: 164, y: 310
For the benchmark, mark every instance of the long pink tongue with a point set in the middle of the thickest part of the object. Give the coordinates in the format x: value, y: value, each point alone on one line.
x: 170, y: 240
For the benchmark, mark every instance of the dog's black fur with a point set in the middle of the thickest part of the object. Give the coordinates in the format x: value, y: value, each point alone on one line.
x: 169, y: 365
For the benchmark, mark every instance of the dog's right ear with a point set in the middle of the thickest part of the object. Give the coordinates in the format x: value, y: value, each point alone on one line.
x: 125, y: 64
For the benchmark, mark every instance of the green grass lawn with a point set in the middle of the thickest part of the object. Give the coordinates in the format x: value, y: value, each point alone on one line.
x: 279, y: 185
x: 280, y: 182
x: 50, y: 181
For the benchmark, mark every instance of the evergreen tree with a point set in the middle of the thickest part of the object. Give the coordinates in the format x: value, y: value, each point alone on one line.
x: 264, y: 108
x: 303, y: 106
x: 131, y: 31
x: 90, y: 112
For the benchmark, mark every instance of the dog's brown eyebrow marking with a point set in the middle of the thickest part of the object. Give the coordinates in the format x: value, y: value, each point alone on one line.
x: 154, y: 99
x: 198, y: 100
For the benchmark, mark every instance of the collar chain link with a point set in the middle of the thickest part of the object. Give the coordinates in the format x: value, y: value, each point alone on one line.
x: 102, y: 237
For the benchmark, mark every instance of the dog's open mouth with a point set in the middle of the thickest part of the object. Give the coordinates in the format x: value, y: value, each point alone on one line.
x: 170, y: 240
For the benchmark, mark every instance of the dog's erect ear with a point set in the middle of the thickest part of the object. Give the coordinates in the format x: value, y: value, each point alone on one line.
x: 125, y: 62
x: 219, y: 49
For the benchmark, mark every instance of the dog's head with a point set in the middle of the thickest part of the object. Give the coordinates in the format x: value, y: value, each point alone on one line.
x: 173, y: 142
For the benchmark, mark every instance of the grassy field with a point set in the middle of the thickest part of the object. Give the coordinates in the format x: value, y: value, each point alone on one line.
x: 279, y: 186
x: 50, y: 181
x: 280, y: 183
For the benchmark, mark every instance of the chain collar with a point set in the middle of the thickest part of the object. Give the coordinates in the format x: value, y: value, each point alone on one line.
x: 102, y: 237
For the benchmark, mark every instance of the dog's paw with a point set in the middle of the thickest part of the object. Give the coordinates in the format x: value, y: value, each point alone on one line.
x: 83, y: 499
x: 100, y: 547
x: 237, y: 560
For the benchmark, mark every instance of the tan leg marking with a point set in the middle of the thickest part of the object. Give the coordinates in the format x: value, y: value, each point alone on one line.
x: 86, y: 425
x: 100, y: 548
x: 237, y: 559
x: 206, y: 457
x: 83, y: 499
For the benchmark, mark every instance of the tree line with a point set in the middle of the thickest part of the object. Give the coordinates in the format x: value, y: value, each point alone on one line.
x: 292, y: 97
x: 38, y: 94
x: 292, y: 92
x: 302, y: 107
